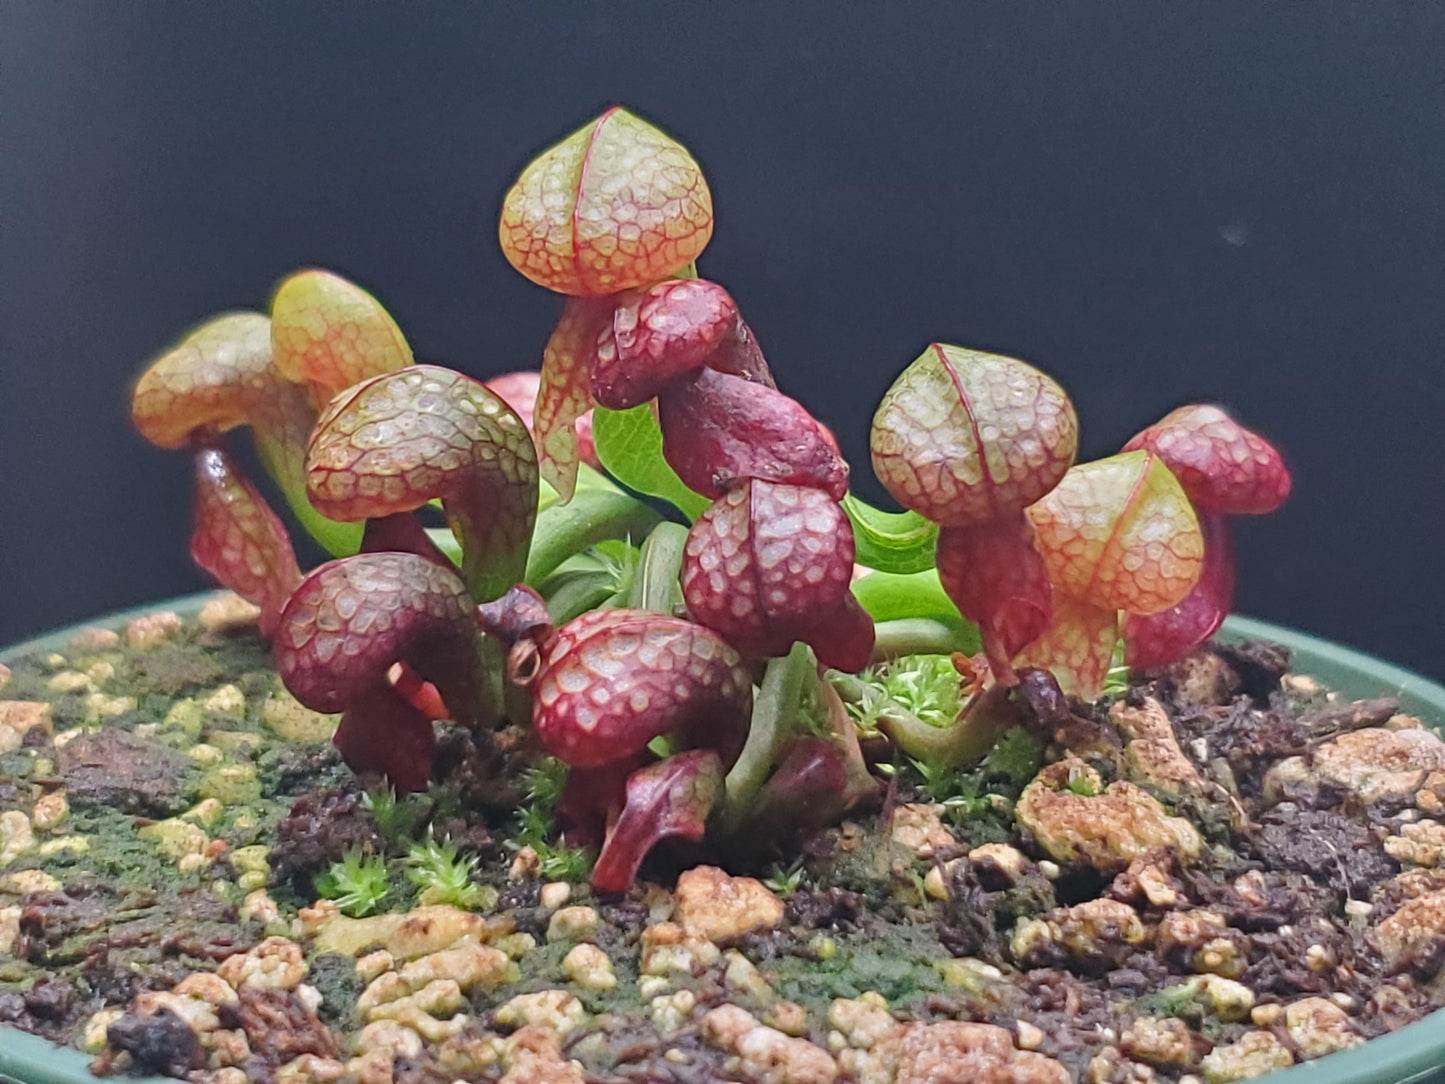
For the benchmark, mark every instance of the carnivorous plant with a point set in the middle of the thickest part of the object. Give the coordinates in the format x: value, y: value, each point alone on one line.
x: 653, y: 569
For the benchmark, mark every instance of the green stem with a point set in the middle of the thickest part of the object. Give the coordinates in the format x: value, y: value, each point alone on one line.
x: 447, y: 542
x: 655, y: 585
x: 965, y: 741
x: 845, y: 733
x: 588, y: 518
x: 494, y: 686
x: 921, y: 636
x: 286, y: 469
x: 774, y: 714
x: 578, y: 594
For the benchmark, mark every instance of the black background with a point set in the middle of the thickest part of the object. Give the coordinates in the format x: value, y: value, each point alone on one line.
x: 1155, y: 202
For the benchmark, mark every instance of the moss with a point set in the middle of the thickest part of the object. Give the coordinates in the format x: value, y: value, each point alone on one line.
x: 174, y: 669
x: 1015, y: 758
x: 334, y: 977
x: 901, y: 963
x: 16, y: 765
x: 232, y: 784
x: 117, y: 853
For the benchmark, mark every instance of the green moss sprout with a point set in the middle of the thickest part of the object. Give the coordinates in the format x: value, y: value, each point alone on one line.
x: 358, y: 883
x: 398, y: 817
x: 536, y: 824
x: 446, y: 877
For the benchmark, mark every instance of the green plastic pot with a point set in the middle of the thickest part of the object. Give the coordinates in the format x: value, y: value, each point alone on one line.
x: 1415, y: 1053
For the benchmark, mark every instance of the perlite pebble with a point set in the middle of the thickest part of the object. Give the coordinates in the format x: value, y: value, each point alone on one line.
x: 99, y: 706
x: 49, y: 811
x: 588, y: 966
x: 93, y: 1037
x: 253, y: 866
x: 70, y: 681
x: 554, y: 894
x: 788, y: 1017
x: 25, y: 881
x: 288, y: 718
x: 73, y: 844
x: 373, y: 965
x: 743, y: 977
x: 251, y: 858
x: 236, y: 784
x: 18, y: 718
x: 670, y: 1012
x: 185, y: 716
x: 227, y: 700
x: 555, y: 1010
x: 572, y: 924
x: 176, y: 838
x: 227, y: 612
x: 260, y: 906
x: 150, y: 630
x: 207, y: 813
x: 231, y: 741
x: 16, y: 836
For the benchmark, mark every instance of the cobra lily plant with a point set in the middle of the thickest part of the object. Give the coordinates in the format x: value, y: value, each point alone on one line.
x: 696, y: 686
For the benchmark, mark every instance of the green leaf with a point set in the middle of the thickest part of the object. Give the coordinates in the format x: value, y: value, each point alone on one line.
x: 588, y: 480
x: 573, y: 594
x: 1116, y: 681
x: 629, y: 444
x: 447, y: 877
x: 900, y: 542
x: 890, y: 596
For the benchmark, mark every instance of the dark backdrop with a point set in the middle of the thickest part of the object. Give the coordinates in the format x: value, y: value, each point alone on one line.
x: 1155, y: 202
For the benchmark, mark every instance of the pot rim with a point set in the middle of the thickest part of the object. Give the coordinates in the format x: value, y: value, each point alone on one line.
x: 1397, y: 1058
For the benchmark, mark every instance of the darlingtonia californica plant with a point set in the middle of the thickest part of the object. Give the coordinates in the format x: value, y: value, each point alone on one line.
x: 1225, y: 470
x: 271, y: 374
x: 613, y: 217
x: 969, y: 440
x: 391, y: 444
x: 350, y: 623
x: 694, y: 673
x: 607, y: 686
x: 610, y: 216
x: 1117, y: 534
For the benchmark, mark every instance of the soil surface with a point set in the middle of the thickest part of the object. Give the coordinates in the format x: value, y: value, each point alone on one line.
x: 1223, y: 870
